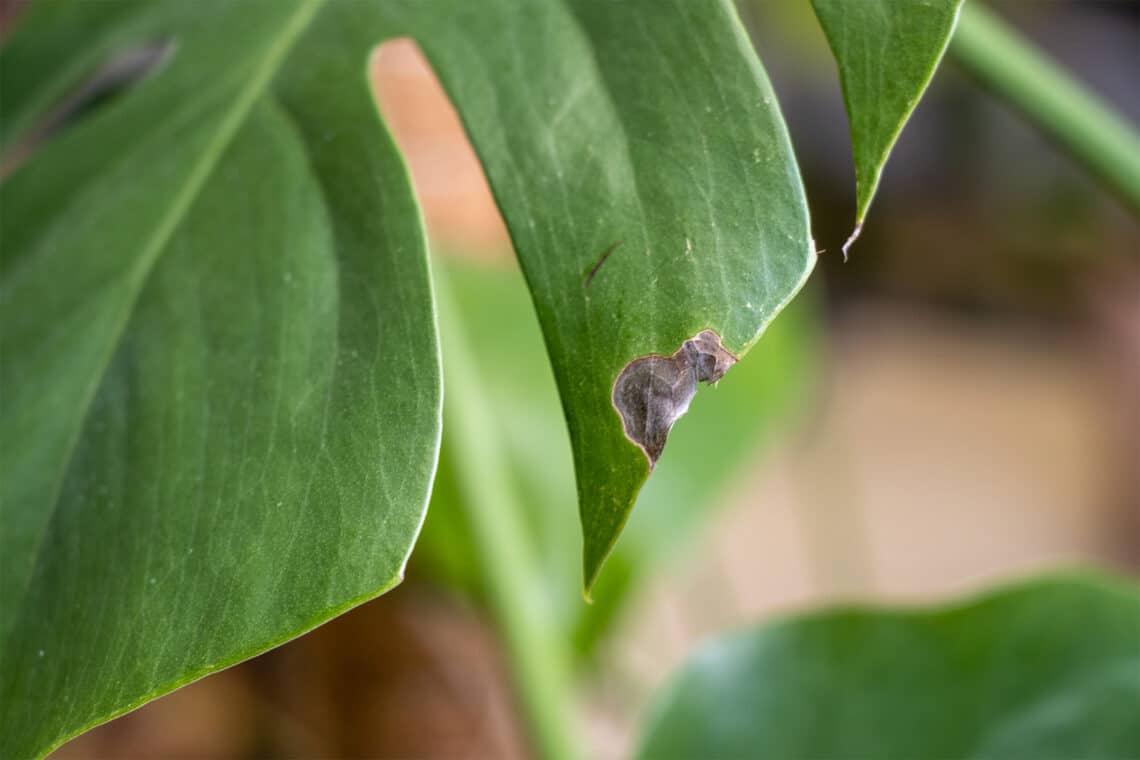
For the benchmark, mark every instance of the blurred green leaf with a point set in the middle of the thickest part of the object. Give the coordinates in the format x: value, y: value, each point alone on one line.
x: 220, y: 382
x: 887, y: 51
x: 1047, y: 669
x: 503, y: 561
x: 641, y: 163
x: 707, y: 448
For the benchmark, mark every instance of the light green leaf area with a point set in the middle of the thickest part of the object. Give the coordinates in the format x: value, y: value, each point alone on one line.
x: 220, y: 384
x: 1045, y: 670
x: 643, y: 169
x: 715, y: 442
x: 887, y: 51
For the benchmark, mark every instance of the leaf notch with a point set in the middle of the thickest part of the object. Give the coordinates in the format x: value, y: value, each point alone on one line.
x: 653, y: 392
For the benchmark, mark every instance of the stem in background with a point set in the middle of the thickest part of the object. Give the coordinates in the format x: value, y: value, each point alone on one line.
x: 538, y: 650
x: 1050, y: 99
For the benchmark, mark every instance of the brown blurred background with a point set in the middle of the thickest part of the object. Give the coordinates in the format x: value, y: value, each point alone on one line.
x: 977, y: 417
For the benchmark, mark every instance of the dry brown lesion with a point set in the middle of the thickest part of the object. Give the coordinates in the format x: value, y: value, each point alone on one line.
x: 653, y: 392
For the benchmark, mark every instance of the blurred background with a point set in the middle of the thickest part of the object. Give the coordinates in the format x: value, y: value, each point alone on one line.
x: 957, y: 405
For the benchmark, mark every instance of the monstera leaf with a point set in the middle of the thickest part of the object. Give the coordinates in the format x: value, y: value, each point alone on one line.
x: 643, y: 217
x: 220, y: 384
x: 887, y: 51
x: 1048, y: 669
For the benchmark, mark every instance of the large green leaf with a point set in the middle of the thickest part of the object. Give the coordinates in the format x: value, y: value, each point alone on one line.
x: 641, y: 164
x: 706, y: 449
x: 887, y: 51
x: 220, y: 386
x: 1049, y: 669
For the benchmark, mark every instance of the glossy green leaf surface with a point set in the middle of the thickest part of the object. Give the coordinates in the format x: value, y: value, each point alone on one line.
x: 220, y: 387
x: 1045, y: 670
x: 887, y: 52
x: 643, y: 169
x: 718, y: 439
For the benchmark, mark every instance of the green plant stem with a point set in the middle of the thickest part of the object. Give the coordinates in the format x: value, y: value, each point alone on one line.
x: 1050, y: 99
x: 539, y: 656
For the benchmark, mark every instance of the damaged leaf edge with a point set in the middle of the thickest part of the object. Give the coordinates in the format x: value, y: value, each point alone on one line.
x: 591, y: 572
x: 650, y: 404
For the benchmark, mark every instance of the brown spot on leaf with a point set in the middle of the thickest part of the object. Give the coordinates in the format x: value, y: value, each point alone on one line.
x: 654, y: 391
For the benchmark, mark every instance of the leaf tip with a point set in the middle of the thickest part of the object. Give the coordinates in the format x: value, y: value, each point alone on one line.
x: 851, y: 239
x: 594, y: 556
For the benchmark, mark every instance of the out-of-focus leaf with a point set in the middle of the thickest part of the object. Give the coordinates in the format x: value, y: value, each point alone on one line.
x: 1071, y: 114
x: 1048, y: 669
x: 706, y: 449
x: 639, y: 158
x: 220, y: 383
x: 887, y: 51
x: 505, y: 564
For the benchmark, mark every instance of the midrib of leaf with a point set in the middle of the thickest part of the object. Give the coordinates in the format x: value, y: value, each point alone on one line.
x: 180, y: 204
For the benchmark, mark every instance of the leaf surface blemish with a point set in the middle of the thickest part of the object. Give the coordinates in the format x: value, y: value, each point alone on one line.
x: 653, y: 392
